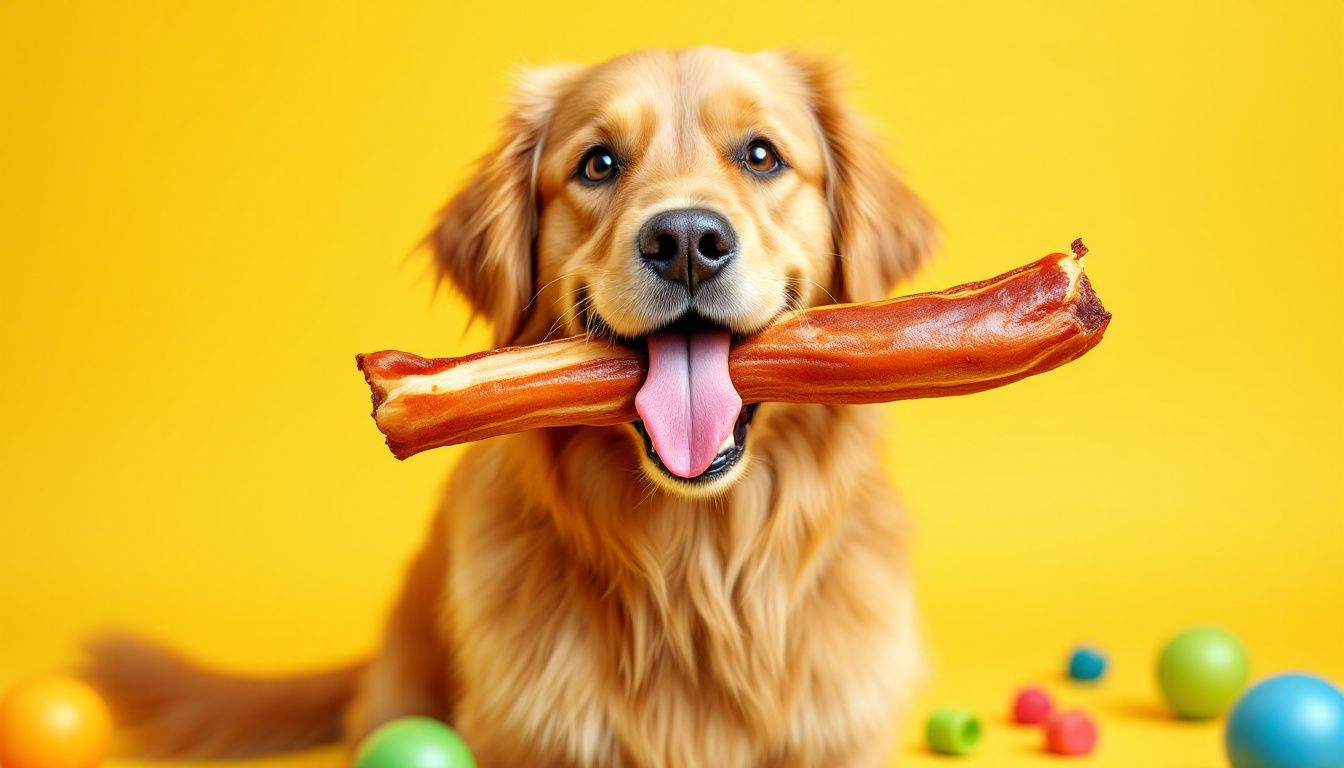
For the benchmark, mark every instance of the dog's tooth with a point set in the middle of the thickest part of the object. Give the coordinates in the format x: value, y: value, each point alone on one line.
x: 728, y: 443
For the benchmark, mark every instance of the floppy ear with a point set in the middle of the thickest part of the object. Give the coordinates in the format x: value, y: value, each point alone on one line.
x: 882, y: 230
x: 485, y: 237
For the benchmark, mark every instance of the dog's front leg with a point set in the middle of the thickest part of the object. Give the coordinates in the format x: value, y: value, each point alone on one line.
x: 877, y: 756
x: 862, y: 756
x: 410, y: 675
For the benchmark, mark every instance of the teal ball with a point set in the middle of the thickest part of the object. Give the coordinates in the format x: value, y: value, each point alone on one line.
x: 1289, y: 721
x: 414, y: 742
x: 1087, y: 664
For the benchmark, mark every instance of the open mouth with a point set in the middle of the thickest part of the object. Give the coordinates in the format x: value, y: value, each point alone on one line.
x: 730, y: 451
x: 691, y: 418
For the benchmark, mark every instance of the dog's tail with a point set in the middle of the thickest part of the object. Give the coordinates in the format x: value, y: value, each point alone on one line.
x: 170, y: 707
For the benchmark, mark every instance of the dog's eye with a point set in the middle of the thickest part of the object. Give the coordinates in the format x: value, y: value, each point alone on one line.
x: 761, y: 158
x: 598, y: 165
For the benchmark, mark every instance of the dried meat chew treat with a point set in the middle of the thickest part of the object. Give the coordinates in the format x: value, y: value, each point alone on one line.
x: 965, y: 339
x: 421, y: 404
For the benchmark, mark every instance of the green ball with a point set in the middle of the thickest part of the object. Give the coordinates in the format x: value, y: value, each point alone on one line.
x: 1201, y: 671
x: 414, y: 742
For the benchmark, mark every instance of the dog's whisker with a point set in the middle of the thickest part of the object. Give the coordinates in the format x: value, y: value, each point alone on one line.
x: 794, y: 304
x: 650, y: 489
x: 579, y: 289
x: 594, y: 325
x: 537, y: 294
x: 823, y: 288
x: 578, y: 305
x: 555, y: 325
x: 599, y: 325
x: 543, y: 288
x: 559, y: 325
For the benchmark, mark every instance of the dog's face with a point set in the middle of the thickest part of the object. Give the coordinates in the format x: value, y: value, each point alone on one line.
x: 677, y: 184
x: 677, y: 201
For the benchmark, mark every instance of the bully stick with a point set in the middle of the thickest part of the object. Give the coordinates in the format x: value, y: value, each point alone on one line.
x: 965, y: 339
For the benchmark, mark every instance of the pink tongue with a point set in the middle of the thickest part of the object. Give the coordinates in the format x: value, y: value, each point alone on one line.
x: 688, y: 403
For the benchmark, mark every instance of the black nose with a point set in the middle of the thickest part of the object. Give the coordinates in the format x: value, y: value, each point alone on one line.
x: 687, y: 245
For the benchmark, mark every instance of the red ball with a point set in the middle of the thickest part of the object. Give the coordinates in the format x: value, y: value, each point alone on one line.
x: 1070, y: 733
x: 1032, y: 706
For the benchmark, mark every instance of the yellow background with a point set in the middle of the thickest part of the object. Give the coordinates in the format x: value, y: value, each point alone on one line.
x: 206, y: 210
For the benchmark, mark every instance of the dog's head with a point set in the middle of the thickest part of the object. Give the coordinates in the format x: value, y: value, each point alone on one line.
x: 675, y: 201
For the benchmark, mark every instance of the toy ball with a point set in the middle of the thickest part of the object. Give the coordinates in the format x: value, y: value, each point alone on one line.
x: 1070, y: 733
x: 1201, y: 671
x: 53, y: 722
x: 1087, y: 663
x: 1032, y: 706
x: 1289, y: 721
x: 952, y: 732
x: 414, y: 742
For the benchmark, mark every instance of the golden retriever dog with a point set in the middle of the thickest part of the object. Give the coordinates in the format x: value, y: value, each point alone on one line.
x: 714, y: 585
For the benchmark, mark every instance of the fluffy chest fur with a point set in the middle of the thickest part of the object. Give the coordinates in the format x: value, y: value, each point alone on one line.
x: 595, y: 620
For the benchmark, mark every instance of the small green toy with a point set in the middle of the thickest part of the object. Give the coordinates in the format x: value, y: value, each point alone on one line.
x: 953, y: 732
x: 1201, y: 672
x: 414, y: 742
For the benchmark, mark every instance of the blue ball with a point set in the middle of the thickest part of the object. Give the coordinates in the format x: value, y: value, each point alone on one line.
x: 1087, y: 664
x: 1288, y: 721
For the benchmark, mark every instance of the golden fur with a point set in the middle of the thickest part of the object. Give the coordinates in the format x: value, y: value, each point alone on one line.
x: 574, y: 606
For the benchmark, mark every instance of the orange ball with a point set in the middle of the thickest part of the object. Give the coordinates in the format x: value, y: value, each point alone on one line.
x: 53, y: 722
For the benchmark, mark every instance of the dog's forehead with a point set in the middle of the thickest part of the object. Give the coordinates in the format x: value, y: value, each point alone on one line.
x: 687, y: 100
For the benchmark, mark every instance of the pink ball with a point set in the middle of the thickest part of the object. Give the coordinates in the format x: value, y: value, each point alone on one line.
x: 1070, y: 733
x: 1032, y: 706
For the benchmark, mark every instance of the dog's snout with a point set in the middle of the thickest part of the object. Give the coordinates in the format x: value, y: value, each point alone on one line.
x: 687, y: 245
